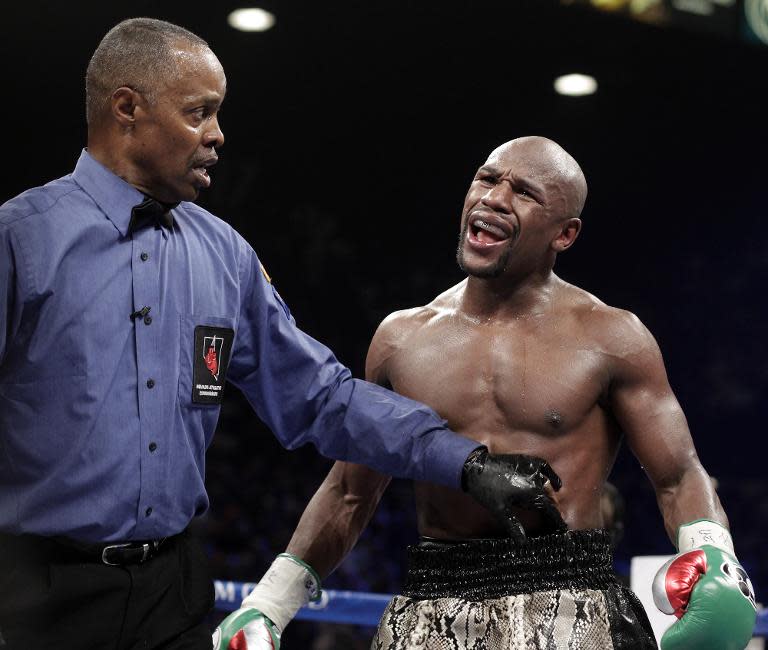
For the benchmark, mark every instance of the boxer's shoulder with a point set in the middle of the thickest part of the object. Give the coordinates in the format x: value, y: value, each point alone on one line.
x: 404, y: 329
x: 611, y: 329
x: 400, y: 324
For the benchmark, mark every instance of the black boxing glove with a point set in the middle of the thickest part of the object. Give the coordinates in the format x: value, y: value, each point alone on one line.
x: 505, y: 481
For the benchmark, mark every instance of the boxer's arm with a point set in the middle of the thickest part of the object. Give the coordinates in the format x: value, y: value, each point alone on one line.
x: 657, y: 432
x: 328, y: 529
x: 344, y: 503
x: 704, y: 585
x: 337, y: 515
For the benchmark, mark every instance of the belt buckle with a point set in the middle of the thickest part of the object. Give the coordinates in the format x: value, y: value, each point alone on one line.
x: 110, y: 547
x: 146, y: 549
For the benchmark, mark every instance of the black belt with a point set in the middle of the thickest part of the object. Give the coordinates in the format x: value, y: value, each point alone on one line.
x: 130, y: 552
x: 70, y: 550
x: 117, y: 553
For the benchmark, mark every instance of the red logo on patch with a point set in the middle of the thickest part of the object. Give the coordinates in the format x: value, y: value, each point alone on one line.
x: 212, y: 346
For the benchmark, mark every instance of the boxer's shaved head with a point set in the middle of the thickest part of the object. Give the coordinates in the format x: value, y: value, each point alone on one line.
x: 550, y: 163
x: 139, y: 53
x: 521, y: 210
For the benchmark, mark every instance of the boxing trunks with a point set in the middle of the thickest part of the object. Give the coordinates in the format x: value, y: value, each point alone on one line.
x: 556, y: 592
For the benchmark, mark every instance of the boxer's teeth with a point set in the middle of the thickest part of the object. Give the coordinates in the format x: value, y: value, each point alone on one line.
x: 494, y: 232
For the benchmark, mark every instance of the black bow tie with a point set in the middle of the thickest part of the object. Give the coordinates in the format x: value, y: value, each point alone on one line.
x: 151, y: 211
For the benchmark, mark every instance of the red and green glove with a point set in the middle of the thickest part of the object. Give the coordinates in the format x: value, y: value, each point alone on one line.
x: 246, y: 629
x: 288, y: 585
x: 707, y: 589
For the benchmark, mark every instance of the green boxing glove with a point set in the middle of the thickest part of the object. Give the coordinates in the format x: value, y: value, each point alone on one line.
x: 246, y: 629
x: 288, y: 585
x: 708, y: 590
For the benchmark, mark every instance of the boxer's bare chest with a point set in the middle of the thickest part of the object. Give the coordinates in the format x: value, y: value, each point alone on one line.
x: 532, y: 386
x: 539, y: 375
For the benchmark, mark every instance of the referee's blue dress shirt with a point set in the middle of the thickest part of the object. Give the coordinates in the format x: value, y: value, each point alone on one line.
x: 104, y: 419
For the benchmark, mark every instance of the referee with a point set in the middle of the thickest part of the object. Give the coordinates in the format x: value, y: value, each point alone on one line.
x: 124, y: 308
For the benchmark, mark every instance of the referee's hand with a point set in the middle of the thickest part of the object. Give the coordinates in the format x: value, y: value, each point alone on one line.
x: 505, y: 482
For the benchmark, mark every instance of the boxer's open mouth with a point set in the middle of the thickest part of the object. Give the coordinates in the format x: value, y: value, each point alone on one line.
x: 486, y: 233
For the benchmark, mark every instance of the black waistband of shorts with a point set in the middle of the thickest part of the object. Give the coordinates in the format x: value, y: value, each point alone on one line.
x: 493, y: 568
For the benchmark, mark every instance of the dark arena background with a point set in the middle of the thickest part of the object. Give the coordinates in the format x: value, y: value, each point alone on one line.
x: 352, y: 132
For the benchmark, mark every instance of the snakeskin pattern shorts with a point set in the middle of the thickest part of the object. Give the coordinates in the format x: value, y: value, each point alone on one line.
x: 481, y: 596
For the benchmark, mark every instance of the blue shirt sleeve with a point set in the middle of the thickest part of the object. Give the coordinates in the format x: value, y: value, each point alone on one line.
x: 299, y: 389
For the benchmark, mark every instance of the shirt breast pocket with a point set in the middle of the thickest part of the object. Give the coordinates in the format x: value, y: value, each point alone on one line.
x: 206, y: 347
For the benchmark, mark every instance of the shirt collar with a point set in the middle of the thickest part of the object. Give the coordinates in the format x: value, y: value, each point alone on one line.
x: 114, y: 196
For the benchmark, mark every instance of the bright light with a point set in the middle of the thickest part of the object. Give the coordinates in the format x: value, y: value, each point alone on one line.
x: 575, y: 85
x: 251, y: 20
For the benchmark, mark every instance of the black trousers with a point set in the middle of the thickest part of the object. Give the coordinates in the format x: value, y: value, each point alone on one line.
x: 54, y: 599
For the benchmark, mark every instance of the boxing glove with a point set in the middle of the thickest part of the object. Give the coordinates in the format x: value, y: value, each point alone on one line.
x: 246, y: 629
x: 708, y: 590
x: 288, y: 585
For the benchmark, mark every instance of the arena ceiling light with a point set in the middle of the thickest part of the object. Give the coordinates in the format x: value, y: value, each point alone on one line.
x: 576, y: 85
x: 251, y: 19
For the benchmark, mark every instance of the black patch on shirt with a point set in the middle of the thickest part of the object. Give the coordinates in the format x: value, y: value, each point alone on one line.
x: 213, y: 346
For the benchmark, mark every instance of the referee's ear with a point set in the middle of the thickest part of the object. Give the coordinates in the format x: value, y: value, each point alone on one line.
x: 123, y: 103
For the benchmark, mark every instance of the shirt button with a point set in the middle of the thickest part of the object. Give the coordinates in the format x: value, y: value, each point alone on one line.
x: 152, y: 446
x: 148, y: 511
x: 150, y: 383
x: 147, y: 320
x: 144, y: 257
